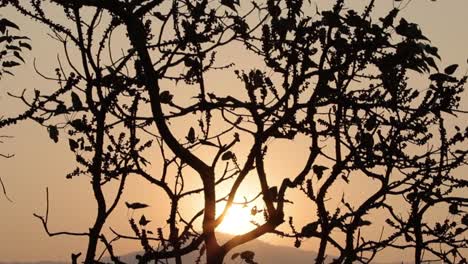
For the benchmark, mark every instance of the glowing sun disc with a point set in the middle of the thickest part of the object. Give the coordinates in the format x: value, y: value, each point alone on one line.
x: 236, y: 221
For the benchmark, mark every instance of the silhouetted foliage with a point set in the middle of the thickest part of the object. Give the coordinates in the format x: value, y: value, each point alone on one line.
x: 336, y: 79
x: 11, y: 50
x: 12, y: 46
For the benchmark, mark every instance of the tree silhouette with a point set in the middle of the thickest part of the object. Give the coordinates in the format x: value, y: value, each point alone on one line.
x: 338, y: 80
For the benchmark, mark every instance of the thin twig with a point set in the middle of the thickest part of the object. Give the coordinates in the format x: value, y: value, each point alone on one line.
x: 4, y: 190
x: 44, y: 220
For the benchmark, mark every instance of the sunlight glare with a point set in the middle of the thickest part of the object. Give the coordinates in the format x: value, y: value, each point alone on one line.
x: 236, y: 221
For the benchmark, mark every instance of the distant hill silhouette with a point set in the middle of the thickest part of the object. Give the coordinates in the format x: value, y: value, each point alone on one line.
x: 265, y: 253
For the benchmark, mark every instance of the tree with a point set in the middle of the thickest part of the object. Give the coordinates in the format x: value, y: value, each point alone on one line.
x: 337, y: 80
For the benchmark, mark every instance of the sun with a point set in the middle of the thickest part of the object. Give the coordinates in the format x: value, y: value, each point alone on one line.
x: 236, y: 221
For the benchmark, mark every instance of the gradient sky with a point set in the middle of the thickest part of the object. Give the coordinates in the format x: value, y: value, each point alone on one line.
x: 39, y: 163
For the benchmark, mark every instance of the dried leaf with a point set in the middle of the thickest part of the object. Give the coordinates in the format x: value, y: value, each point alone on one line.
x: 451, y: 69
x: 77, y: 104
x: 318, y: 170
x: 453, y: 209
x: 234, y: 256
x: 136, y: 205
x: 309, y: 229
x: 165, y: 97
x: 73, y: 144
x: 143, y: 221
x: 230, y: 3
x: 227, y: 155
x: 191, y: 135
x: 53, y: 133
x: 247, y: 255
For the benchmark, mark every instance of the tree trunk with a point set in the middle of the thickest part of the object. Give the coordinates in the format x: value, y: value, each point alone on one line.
x: 322, y: 249
x: 215, y: 256
x: 96, y: 171
x: 419, y: 240
x: 92, y: 245
x: 214, y: 253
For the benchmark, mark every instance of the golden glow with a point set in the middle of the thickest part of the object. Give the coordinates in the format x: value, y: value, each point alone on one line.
x: 236, y: 221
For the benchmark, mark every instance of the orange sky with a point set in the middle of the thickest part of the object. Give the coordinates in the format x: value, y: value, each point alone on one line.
x: 39, y: 163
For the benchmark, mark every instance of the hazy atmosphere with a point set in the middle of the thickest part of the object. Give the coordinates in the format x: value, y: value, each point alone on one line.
x: 194, y: 133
